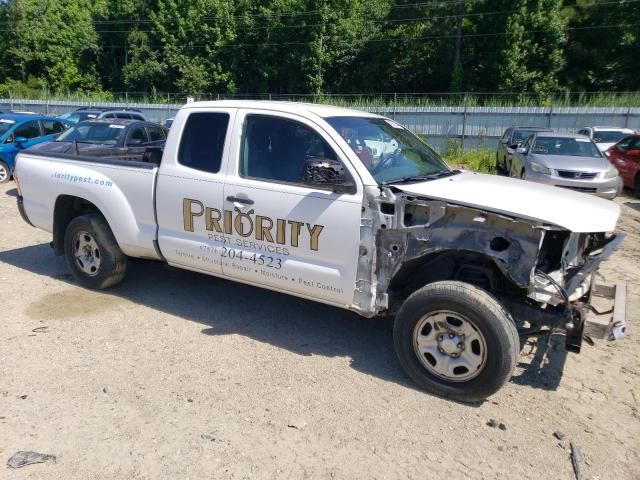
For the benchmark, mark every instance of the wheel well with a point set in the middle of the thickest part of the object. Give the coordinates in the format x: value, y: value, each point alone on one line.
x: 470, y: 267
x: 67, y: 208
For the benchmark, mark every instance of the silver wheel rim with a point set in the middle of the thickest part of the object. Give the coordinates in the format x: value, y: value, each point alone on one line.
x: 450, y: 346
x: 86, y: 253
x: 3, y: 173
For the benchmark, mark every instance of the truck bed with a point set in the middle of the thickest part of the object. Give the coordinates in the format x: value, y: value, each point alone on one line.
x: 122, y: 189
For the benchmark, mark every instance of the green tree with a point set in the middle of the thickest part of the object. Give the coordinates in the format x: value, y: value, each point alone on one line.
x: 54, y: 41
x: 193, y: 36
x: 603, y: 49
x: 532, y: 58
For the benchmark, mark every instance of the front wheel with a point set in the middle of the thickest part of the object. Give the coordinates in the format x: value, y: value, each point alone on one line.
x: 455, y: 340
x: 5, y: 172
x: 93, y: 254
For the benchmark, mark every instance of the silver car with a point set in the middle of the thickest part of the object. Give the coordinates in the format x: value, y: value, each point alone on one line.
x: 566, y: 160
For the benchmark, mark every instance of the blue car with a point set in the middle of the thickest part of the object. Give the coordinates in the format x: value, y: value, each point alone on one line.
x: 18, y: 132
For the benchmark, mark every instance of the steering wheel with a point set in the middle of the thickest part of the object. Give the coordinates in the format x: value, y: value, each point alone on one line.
x: 387, y: 161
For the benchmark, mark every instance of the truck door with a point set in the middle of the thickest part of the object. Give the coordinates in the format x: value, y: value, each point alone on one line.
x: 286, y: 235
x: 190, y: 188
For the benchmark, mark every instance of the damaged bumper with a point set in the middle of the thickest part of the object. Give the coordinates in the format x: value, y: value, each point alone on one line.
x: 610, y: 324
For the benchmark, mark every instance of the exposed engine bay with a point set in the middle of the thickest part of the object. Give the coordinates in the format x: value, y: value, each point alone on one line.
x: 539, y: 271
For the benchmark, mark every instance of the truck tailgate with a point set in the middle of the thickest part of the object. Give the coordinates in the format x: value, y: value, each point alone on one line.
x: 123, y: 191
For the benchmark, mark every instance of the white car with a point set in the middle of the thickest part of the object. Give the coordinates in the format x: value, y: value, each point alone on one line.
x: 605, y: 137
x: 281, y: 196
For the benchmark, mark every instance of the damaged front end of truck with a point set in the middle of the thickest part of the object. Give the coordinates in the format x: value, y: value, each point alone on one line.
x: 543, y: 274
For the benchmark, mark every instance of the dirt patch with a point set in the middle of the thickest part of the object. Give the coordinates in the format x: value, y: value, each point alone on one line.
x: 175, y: 375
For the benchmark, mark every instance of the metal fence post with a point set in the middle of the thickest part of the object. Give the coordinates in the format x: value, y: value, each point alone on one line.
x: 464, y: 123
x: 395, y: 104
x: 626, y: 120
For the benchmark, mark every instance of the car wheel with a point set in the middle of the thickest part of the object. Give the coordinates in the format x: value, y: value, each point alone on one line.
x: 523, y: 174
x: 636, y: 186
x: 499, y: 168
x: 5, y: 172
x: 93, y: 254
x: 456, y: 340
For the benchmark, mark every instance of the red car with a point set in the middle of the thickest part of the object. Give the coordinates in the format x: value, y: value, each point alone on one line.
x: 625, y: 156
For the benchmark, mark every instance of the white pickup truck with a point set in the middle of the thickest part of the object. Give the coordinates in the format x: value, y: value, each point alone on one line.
x: 349, y: 209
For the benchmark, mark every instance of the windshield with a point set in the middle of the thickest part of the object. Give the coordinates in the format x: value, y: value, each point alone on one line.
x: 76, y: 117
x: 576, y: 147
x: 388, y: 150
x: 102, y: 133
x: 5, y: 125
x: 608, y: 137
x: 520, y: 136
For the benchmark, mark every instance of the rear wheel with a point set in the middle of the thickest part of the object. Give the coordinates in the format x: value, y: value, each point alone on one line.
x: 5, y: 172
x: 93, y: 254
x: 636, y: 186
x: 455, y: 340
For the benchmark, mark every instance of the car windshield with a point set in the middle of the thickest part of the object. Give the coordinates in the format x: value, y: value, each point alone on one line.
x: 520, y: 136
x: 5, y: 125
x: 608, y: 137
x: 388, y: 150
x: 576, y: 147
x: 76, y: 117
x: 101, y: 133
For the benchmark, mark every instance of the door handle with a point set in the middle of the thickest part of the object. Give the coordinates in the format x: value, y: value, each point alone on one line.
x: 246, y: 201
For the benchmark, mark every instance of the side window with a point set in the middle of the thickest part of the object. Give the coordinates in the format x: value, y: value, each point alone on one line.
x: 202, y: 141
x: 137, y: 136
x: 137, y: 116
x: 505, y: 137
x: 527, y: 143
x: 28, y: 130
x: 51, y: 127
x: 634, y: 144
x: 277, y: 149
x: 123, y: 115
x: 155, y: 133
x: 108, y: 115
x: 623, y: 145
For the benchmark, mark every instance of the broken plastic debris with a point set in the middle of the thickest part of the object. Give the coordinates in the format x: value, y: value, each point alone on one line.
x: 22, y: 459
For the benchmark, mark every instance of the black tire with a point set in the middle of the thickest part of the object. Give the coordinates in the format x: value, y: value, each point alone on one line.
x: 113, y: 263
x: 636, y: 186
x: 492, y: 321
x: 499, y: 168
x: 6, y: 176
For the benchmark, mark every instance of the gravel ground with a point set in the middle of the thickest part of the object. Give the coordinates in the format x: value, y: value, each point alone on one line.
x: 174, y: 375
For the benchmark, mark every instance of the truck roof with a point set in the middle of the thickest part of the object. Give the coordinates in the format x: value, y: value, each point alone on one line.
x: 324, y: 111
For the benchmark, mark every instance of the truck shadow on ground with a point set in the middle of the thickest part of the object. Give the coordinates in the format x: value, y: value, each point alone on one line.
x: 11, y: 193
x: 225, y: 307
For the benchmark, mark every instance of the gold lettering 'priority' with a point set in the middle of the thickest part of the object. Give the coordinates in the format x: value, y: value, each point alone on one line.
x: 262, y: 228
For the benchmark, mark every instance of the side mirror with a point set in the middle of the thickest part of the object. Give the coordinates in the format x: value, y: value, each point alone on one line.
x: 633, y: 153
x: 521, y: 150
x: 515, y: 145
x: 19, y: 141
x: 326, y: 174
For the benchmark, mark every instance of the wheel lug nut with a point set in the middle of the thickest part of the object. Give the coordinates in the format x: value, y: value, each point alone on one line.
x: 460, y: 345
x: 451, y: 335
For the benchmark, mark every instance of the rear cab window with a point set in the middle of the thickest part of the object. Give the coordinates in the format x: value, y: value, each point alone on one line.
x: 202, y: 143
x: 156, y: 133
